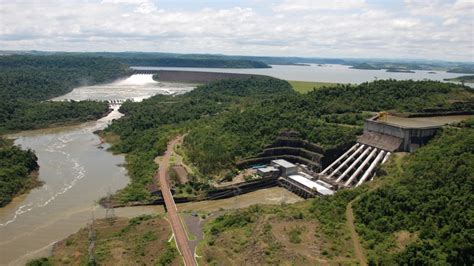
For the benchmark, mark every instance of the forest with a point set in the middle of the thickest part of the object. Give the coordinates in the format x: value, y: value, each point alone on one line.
x: 16, y: 167
x: 230, y: 120
x: 26, y: 81
x: 429, y: 199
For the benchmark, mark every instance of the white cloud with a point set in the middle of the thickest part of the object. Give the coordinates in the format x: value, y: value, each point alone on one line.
x: 146, y: 8
x: 131, y: 2
x: 309, y: 5
x: 327, y: 29
x: 450, y: 22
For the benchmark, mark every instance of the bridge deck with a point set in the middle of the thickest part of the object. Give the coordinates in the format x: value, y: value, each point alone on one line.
x: 175, y: 221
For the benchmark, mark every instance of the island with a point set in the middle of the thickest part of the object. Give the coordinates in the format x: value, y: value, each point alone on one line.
x: 466, y: 79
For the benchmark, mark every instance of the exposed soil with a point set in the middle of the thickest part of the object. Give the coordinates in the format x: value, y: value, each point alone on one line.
x: 117, y: 244
x: 358, y: 250
x: 181, y: 173
x: 403, y: 239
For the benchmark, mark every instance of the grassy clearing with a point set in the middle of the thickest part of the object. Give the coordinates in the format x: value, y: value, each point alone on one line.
x: 141, y: 240
x: 306, y: 86
x: 306, y: 233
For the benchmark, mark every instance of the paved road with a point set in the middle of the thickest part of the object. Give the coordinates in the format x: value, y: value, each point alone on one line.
x: 178, y: 228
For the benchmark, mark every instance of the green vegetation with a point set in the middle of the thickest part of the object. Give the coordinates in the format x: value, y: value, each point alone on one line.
x: 431, y: 198
x: 32, y: 115
x: 399, y: 70
x: 39, y: 262
x: 366, y: 66
x: 16, y: 167
x: 230, y: 120
x: 467, y: 69
x: 183, y: 60
x: 466, y: 78
x: 306, y: 86
x: 407, y: 67
x: 167, y: 257
x: 26, y: 81
x: 417, y: 212
x: 140, y: 241
x: 304, y: 233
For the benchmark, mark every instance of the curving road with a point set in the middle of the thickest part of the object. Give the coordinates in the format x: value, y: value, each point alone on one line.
x: 178, y: 228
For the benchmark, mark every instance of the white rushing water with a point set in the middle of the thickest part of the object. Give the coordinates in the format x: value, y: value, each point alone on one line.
x: 136, y: 87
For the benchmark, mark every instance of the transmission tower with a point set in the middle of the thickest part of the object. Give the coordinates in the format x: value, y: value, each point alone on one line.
x: 109, y: 210
x: 92, y: 239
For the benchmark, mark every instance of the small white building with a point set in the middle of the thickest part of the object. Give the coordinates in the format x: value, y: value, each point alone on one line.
x: 268, y: 171
x: 311, y: 185
x: 286, y: 168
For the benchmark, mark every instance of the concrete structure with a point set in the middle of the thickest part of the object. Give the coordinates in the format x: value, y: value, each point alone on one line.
x: 286, y: 168
x: 268, y: 171
x: 304, y: 187
x: 407, y: 134
x: 379, y: 141
x: 354, y: 167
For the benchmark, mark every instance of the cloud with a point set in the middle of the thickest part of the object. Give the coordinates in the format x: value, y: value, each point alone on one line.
x: 130, y: 2
x: 311, y: 5
x: 324, y: 28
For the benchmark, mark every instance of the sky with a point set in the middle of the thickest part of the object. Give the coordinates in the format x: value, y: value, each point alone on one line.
x: 401, y: 29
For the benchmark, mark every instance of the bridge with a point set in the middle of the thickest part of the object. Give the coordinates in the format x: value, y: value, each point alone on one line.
x: 145, y: 71
x: 118, y: 101
x: 178, y: 229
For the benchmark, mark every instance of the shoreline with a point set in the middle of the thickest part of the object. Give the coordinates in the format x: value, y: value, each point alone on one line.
x: 34, y: 181
x: 54, y: 126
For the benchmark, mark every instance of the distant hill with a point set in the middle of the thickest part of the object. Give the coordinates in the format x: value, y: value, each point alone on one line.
x: 240, y: 61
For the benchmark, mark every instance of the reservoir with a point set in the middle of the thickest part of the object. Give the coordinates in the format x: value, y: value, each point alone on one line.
x: 324, y: 73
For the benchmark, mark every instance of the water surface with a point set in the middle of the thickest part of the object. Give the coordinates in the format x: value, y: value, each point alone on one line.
x: 324, y: 73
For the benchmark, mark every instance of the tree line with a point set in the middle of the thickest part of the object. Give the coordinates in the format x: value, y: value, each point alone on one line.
x: 16, y: 166
x: 26, y: 81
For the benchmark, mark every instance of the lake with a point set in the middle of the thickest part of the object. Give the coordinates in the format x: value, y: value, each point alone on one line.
x: 323, y: 73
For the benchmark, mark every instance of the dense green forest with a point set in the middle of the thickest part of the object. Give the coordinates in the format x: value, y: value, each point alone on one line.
x: 26, y: 81
x: 430, y: 197
x: 33, y: 115
x: 16, y: 166
x: 188, y: 62
x: 179, y: 60
x: 233, y: 119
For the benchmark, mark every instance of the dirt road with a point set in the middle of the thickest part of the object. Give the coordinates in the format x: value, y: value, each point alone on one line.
x: 178, y: 228
x: 359, y: 253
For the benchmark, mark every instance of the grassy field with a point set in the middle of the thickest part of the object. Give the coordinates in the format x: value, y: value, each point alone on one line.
x: 306, y: 233
x: 139, y: 241
x: 305, y: 86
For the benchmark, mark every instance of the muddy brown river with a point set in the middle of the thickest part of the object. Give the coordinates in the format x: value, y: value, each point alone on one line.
x: 76, y: 174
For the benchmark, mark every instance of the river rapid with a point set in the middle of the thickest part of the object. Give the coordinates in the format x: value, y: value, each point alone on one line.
x: 76, y: 170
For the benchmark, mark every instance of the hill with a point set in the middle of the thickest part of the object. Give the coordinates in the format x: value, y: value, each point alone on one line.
x: 231, y: 120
